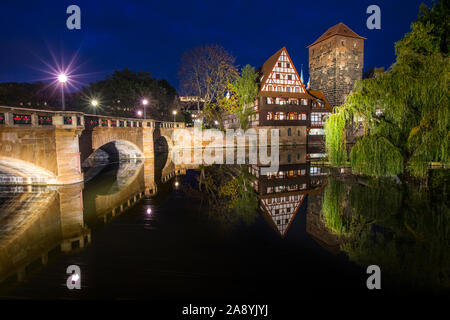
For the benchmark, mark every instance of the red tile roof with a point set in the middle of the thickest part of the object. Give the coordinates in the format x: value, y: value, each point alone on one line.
x: 339, y: 29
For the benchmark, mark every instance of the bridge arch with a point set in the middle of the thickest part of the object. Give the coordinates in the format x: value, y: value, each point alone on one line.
x: 113, y: 151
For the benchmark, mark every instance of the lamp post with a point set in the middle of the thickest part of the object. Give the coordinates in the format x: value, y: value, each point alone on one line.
x: 144, y: 103
x: 62, y: 78
x: 174, y: 112
x: 94, y: 103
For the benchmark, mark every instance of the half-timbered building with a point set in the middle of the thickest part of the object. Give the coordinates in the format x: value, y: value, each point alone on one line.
x: 284, y: 103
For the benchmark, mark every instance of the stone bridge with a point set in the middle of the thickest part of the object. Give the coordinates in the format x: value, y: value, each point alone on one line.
x: 50, y: 147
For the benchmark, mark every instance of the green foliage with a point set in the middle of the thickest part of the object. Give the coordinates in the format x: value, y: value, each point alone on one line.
x: 404, y: 110
x: 228, y: 193
x: 405, y: 229
x: 376, y: 156
x: 335, y: 139
x: 240, y: 96
x: 332, y: 207
x: 246, y: 86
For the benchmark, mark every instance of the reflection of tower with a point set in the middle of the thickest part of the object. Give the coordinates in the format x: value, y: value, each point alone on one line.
x: 74, y: 233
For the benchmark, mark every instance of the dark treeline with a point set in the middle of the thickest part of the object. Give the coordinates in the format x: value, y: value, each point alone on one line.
x: 120, y: 94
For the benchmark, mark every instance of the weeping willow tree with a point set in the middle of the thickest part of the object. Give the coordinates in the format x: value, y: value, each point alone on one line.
x: 410, y: 240
x: 405, y: 111
x: 401, y: 228
x: 333, y: 207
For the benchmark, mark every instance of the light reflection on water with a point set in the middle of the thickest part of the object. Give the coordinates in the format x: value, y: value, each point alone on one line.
x: 401, y: 228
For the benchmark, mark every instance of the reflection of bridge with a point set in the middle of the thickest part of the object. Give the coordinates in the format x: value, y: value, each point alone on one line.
x: 48, y: 147
x: 39, y: 221
x: 34, y: 222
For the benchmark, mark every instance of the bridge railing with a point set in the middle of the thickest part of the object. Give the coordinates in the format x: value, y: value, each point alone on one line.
x: 12, y: 116
x: 120, y: 122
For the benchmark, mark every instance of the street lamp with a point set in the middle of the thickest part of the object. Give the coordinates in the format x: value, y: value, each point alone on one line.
x: 174, y: 112
x: 145, y: 103
x: 62, y: 78
x: 139, y: 113
x: 94, y: 103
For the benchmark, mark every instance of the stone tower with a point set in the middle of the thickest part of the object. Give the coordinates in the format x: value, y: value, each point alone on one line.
x: 335, y: 62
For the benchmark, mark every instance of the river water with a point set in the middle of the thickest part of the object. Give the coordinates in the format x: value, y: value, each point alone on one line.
x: 151, y: 229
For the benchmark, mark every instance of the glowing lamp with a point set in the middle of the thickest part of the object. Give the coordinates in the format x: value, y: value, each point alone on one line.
x: 62, y: 78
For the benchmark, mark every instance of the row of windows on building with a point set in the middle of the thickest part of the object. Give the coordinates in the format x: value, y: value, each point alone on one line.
x: 287, y: 116
x: 318, y: 118
x: 291, y: 187
x: 286, y: 65
x: 282, y: 101
x: 296, y: 89
x: 289, y: 173
x: 286, y: 199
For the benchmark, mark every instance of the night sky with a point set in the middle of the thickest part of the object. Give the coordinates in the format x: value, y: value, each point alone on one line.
x: 152, y: 35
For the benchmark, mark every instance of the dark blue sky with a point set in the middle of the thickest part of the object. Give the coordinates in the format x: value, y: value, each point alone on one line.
x: 152, y: 35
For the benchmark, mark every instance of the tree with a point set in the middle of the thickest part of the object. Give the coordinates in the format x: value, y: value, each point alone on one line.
x: 39, y: 95
x: 404, y: 111
x: 241, y: 95
x: 120, y: 94
x: 205, y: 72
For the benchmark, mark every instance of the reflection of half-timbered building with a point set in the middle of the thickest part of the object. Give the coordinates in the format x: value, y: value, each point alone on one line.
x: 282, y: 193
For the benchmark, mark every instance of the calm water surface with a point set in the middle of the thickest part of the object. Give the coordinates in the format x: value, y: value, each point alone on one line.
x: 150, y: 229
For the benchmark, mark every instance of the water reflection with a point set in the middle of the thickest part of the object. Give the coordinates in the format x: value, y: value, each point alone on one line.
x: 34, y: 222
x: 401, y: 228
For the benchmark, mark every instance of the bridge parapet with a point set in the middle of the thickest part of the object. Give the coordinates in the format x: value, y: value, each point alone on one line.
x: 12, y: 116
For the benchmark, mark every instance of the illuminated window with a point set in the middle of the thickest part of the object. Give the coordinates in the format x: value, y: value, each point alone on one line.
x: 292, y: 116
x: 269, y: 115
x: 280, y: 116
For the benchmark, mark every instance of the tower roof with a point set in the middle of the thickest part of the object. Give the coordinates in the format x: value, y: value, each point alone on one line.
x: 339, y: 29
